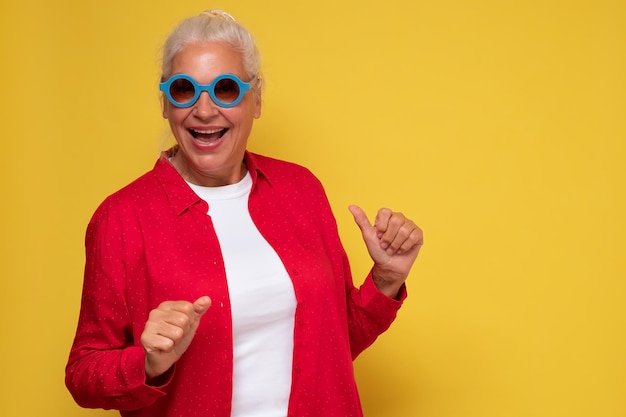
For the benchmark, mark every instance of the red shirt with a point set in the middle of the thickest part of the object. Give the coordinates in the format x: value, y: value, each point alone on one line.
x: 152, y: 241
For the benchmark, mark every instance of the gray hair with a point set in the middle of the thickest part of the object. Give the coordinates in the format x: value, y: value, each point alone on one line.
x: 214, y: 26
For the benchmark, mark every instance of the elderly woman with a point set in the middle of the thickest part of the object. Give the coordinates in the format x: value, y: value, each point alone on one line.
x: 216, y: 283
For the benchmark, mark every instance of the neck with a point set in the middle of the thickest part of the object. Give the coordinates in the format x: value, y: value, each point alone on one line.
x: 206, y: 179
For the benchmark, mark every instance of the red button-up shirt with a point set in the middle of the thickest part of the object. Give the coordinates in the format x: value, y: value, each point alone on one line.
x: 152, y: 241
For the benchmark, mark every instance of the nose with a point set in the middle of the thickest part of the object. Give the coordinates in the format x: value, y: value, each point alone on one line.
x: 205, y: 107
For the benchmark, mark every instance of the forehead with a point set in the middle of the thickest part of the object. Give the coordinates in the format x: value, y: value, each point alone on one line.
x: 208, y: 60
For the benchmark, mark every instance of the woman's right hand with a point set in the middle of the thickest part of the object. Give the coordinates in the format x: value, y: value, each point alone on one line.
x: 169, y: 331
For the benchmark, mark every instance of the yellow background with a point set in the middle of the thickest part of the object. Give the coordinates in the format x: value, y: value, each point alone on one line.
x: 499, y: 126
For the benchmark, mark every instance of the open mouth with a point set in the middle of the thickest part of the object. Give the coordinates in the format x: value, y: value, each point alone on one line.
x: 208, y: 136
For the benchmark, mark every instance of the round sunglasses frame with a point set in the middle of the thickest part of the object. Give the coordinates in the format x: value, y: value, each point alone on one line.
x: 199, y: 88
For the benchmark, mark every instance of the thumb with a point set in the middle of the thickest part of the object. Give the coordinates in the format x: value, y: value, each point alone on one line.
x: 360, y: 218
x: 201, y: 305
x: 370, y: 237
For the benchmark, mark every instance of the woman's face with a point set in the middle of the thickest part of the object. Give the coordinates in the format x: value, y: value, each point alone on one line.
x: 212, y: 139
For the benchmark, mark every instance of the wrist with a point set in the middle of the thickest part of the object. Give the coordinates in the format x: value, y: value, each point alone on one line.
x: 388, y: 284
x: 154, y: 371
x: 155, y: 378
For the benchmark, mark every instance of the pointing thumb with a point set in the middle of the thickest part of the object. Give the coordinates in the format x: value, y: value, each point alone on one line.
x: 201, y: 305
x: 360, y: 218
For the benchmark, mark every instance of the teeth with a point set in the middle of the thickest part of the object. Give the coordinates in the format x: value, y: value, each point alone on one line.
x: 207, y: 132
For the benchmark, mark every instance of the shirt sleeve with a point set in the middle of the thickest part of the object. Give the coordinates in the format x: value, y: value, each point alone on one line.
x: 369, y: 311
x: 105, y: 368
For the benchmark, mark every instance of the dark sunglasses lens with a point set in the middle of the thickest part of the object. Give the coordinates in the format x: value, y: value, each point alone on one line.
x: 226, y: 90
x: 182, y: 90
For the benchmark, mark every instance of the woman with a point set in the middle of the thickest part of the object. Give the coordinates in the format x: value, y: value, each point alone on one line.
x: 216, y: 284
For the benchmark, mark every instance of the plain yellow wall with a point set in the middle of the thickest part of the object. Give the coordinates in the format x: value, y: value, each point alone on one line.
x: 498, y: 126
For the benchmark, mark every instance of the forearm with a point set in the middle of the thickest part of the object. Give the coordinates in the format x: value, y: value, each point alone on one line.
x: 371, y: 312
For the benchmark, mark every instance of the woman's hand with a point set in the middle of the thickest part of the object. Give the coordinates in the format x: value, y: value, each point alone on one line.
x: 393, y: 243
x: 169, y: 331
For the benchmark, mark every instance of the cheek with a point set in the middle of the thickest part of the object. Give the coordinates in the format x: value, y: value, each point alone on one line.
x: 174, y: 115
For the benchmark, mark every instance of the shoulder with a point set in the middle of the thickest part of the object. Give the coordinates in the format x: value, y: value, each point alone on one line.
x: 290, y: 185
x: 282, y: 173
x: 138, y: 193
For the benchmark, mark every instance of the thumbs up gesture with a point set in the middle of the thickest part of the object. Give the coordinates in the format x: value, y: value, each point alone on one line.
x: 169, y: 331
x: 393, y: 242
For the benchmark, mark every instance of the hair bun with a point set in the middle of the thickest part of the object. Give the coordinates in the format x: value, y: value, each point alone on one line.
x: 221, y: 14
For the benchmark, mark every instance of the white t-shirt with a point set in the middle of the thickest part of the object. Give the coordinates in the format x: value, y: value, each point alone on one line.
x: 262, y: 301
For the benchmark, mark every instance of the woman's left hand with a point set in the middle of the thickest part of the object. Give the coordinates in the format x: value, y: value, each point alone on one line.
x: 393, y: 243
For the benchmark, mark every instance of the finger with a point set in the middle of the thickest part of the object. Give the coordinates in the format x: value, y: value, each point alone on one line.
x: 186, y: 316
x: 201, y: 305
x: 381, y: 223
x: 397, y: 241
x: 360, y: 218
x: 184, y: 307
x: 415, y: 240
x: 160, y: 336
x: 396, y: 230
x: 178, y: 314
x: 171, y: 325
x: 157, y: 343
x: 182, y: 318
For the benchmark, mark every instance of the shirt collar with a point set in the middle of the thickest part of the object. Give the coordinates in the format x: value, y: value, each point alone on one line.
x: 181, y: 196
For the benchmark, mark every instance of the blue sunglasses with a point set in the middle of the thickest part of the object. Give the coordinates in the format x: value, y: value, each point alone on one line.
x: 183, y: 91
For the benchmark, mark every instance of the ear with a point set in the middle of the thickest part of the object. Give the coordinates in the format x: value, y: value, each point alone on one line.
x: 257, y: 106
x: 165, y: 106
